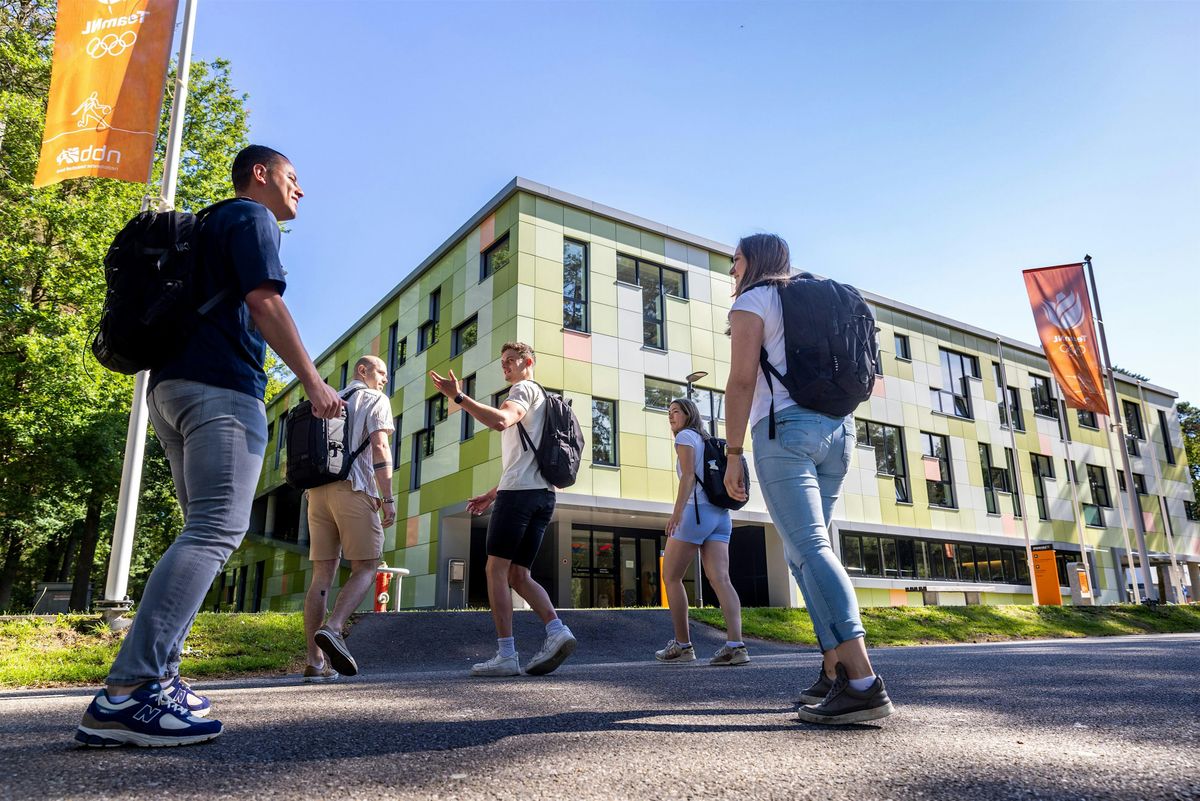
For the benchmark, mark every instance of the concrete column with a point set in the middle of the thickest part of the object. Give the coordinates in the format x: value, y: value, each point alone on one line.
x: 272, y: 508
x: 1194, y: 580
x: 1165, y: 591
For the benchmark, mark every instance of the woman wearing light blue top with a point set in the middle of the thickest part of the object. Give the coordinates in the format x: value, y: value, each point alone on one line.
x: 696, y: 524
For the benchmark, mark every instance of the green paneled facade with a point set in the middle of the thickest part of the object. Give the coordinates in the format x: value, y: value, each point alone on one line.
x: 652, y: 304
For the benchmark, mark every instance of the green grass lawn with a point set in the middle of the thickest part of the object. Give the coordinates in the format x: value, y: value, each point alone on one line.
x: 78, y: 649
x: 913, y: 625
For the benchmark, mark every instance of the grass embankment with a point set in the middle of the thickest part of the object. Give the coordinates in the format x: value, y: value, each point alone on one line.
x: 78, y: 649
x: 949, y: 624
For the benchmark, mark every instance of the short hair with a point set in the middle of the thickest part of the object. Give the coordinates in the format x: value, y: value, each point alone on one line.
x: 519, y: 347
x: 368, y: 361
x: 243, y: 163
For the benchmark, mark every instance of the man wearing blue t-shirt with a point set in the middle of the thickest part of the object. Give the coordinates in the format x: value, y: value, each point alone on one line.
x: 207, y: 408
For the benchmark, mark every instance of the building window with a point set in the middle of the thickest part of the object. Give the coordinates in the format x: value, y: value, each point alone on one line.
x: 1098, y: 481
x: 1011, y: 461
x: 281, y: 443
x: 468, y: 422
x: 343, y: 375
x: 1065, y: 424
x: 575, y: 286
x: 500, y: 397
x: 270, y: 431
x: 993, y: 479
x: 888, y: 443
x: 1093, y: 515
x: 496, y: 257
x: 903, y: 352
x: 954, y: 397
x: 1087, y: 419
x: 1139, y: 482
x: 392, y: 353
x: 1165, y: 430
x: 1043, y: 399
x: 937, y: 451
x: 464, y: 336
x: 657, y: 283
x: 1014, y: 402
x: 397, y: 434
x: 604, y: 431
x: 660, y: 393
x: 1043, y: 468
x: 711, y: 403
x: 436, y: 411
x: 427, y: 334
x: 904, y: 557
x: 1191, y: 510
x: 1133, y: 420
x: 422, y: 447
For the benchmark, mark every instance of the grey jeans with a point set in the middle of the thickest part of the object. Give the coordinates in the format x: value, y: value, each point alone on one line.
x: 214, y: 439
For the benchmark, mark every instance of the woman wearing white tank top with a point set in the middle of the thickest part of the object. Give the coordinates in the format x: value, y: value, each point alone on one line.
x: 800, y: 470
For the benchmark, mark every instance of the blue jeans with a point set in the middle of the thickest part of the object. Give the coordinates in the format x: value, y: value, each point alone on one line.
x: 801, y: 473
x: 214, y: 439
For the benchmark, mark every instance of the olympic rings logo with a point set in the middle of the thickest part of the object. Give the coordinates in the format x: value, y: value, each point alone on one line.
x: 111, y: 44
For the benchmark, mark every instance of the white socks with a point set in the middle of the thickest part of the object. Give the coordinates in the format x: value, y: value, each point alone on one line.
x: 862, y: 685
x: 508, y: 646
x: 738, y: 644
x: 554, y: 627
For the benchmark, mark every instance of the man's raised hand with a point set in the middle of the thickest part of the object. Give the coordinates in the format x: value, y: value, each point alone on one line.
x: 450, y: 387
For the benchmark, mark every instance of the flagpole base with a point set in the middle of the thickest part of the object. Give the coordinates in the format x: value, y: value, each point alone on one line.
x: 113, y: 613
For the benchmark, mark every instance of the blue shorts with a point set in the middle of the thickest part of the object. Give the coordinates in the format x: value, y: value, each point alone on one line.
x: 715, y: 524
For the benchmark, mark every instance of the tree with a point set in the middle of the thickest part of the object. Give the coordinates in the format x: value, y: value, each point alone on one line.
x: 62, y: 436
x: 1189, y: 422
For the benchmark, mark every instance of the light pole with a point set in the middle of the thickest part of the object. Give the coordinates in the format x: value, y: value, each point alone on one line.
x: 691, y: 379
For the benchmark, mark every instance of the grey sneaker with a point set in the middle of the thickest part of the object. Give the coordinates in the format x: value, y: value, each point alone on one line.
x: 674, y: 652
x: 554, y: 651
x: 730, y: 656
x: 335, y: 649
x: 845, y: 705
x: 817, y: 691
x: 316, y: 675
x: 498, y: 666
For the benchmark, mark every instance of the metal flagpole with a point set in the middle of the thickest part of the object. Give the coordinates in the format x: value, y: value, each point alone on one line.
x: 1139, y: 526
x: 1176, y: 573
x: 115, y: 599
x: 1012, y: 436
x: 1065, y: 433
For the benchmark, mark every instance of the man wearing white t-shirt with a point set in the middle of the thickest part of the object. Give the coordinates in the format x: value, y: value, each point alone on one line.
x: 523, y: 505
x: 344, y: 522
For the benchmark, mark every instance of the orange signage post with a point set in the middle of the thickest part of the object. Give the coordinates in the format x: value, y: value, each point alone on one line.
x: 106, y: 89
x: 1063, y: 313
x: 1045, y: 575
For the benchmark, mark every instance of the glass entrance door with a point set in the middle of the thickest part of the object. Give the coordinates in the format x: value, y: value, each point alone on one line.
x: 614, y: 568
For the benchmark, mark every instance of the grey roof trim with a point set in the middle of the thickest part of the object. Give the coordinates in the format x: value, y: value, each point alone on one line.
x: 519, y: 184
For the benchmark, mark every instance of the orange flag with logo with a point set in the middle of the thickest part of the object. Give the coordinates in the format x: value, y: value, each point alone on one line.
x: 1063, y: 313
x: 106, y: 89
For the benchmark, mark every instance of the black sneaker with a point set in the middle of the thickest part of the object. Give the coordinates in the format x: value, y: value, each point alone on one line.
x: 816, y: 693
x: 845, y: 705
x: 335, y: 649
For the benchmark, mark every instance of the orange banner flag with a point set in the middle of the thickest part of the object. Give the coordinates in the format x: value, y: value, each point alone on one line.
x: 1063, y: 313
x: 106, y: 89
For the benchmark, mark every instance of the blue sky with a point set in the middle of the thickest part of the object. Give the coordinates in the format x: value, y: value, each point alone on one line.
x: 927, y: 152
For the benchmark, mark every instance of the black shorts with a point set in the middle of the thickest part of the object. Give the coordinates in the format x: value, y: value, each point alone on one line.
x: 519, y: 519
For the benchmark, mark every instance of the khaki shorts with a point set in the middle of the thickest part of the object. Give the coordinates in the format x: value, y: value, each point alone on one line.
x: 343, y: 522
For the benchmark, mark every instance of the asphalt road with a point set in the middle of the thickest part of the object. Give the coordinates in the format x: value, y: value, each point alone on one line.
x: 1110, y: 718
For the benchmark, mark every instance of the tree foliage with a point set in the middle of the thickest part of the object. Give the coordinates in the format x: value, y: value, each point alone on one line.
x: 62, y: 436
x: 1189, y: 422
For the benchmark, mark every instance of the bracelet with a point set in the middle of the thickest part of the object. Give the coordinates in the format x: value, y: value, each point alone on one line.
x: 389, y: 500
x: 732, y: 450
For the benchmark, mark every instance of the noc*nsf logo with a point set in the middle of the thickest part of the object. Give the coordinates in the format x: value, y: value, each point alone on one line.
x: 1065, y: 312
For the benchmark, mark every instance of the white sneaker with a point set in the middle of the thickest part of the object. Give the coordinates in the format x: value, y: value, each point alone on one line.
x: 554, y: 651
x: 498, y: 666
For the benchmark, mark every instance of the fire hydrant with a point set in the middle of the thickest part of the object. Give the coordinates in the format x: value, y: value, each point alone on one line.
x: 383, y: 581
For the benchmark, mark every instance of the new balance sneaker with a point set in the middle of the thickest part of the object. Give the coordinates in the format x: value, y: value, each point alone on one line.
x: 182, y: 693
x: 816, y: 691
x: 334, y: 646
x: 317, y: 675
x: 498, y: 666
x: 845, y: 705
x: 554, y: 651
x: 674, y: 652
x: 735, y: 655
x: 148, y: 717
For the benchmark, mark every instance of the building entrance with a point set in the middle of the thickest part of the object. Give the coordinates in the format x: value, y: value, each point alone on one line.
x: 615, y: 567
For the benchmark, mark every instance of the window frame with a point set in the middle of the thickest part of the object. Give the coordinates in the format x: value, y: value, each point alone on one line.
x: 902, y: 347
x: 616, y: 458
x: 583, y: 286
x: 902, y: 489
x: 392, y: 352
x: 1164, y: 428
x: 1039, y: 385
x: 468, y: 422
x: 430, y: 330
x: 660, y: 302
x: 946, y: 467
x: 960, y: 402
x: 456, y: 335
x: 647, y: 378
x: 485, y: 269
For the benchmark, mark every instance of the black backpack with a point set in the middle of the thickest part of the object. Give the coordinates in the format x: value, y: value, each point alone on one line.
x: 150, y: 307
x: 318, y: 450
x: 712, y: 477
x: 561, y: 450
x: 829, y: 338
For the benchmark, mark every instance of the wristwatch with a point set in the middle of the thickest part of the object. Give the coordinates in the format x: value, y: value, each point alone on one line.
x: 459, y: 398
x: 733, y: 450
